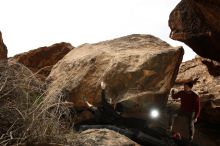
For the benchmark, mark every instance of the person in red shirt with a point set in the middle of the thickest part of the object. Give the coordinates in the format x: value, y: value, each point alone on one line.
x: 190, y: 107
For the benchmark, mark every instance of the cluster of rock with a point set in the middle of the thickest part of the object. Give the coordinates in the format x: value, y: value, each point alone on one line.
x: 139, y: 71
x: 131, y: 67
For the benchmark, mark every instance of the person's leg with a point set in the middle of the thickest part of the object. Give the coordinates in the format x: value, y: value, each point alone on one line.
x: 191, y: 126
x: 171, y: 122
x: 172, y: 117
x: 104, y: 101
x: 103, y: 94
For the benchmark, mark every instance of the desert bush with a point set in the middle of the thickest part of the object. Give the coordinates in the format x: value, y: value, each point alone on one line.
x: 27, y: 115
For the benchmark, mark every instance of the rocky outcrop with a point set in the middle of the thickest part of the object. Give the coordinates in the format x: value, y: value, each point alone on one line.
x: 95, y: 137
x: 139, y: 71
x: 41, y: 60
x: 205, y: 74
x: 3, y: 49
x: 197, y: 24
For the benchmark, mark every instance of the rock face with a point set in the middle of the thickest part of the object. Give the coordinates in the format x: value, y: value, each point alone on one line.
x: 197, y: 24
x: 139, y: 71
x: 95, y: 137
x: 41, y: 60
x: 205, y: 74
x: 3, y: 49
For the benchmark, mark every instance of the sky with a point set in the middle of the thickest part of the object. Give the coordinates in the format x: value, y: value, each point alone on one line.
x: 30, y: 24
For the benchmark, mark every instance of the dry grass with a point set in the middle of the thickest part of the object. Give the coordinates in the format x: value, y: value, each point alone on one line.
x: 26, y: 114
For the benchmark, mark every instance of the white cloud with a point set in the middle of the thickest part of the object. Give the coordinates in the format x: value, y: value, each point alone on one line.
x: 29, y: 24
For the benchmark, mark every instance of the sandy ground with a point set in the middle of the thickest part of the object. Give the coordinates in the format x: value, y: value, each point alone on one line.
x: 204, y: 136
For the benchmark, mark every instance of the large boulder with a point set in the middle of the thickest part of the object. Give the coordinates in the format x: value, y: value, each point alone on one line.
x: 95, y: 137
x: 41, y: 60
x: 139, y: 71
x: 205, y: 74
x: 3, y: 49
x: 197, y: 24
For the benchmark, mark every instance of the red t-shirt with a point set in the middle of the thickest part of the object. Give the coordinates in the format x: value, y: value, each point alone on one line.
x: 189, y: 102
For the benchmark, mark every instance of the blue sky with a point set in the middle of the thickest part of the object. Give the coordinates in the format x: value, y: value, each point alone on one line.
x: 29, y: 24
